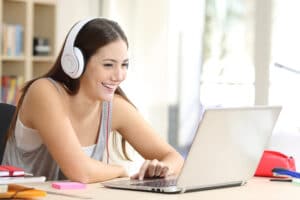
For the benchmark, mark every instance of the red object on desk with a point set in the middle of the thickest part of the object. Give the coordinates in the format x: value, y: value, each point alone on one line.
x: 274, y: 159
x: 9, y: 170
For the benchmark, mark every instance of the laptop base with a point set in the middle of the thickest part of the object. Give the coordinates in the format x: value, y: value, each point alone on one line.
x: 170, y: 189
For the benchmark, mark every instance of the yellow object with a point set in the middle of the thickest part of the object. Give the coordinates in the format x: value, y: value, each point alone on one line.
x: 19, y: 191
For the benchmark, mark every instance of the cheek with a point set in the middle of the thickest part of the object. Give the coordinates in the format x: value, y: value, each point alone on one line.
x: 98, y: 73
x: 90, y: 70
x: 124, y: 75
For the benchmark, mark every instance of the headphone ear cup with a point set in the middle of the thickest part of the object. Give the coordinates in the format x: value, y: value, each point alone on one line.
x: 69, y: 64
x: 72, y: 59
x: 80, y: 62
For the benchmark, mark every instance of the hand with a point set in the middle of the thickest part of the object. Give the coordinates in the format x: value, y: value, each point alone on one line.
x: 123, y: 172
x: 120, y: 170
x: 152, y: 169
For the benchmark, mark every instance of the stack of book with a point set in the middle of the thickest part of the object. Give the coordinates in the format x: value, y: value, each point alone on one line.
x: 10, y: 88
x: 12, y: 39
x: 11, y: 177
x: 9, y: 171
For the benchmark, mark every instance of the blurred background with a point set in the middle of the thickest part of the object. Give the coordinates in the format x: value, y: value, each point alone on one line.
x: 185, y: 55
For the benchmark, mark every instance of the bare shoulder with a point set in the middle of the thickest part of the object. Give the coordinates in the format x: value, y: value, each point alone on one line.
x: 42, y: 89
x: 122, y: 111
x: 120, y: 104
x: 41, y: 96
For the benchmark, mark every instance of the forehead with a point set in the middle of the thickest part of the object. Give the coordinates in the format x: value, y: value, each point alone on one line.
x: 115, y: 49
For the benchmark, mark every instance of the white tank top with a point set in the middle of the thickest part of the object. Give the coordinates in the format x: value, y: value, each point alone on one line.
x: 28, y: 139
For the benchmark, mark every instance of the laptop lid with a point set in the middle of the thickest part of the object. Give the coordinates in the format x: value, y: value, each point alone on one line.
x: 228, y: 146
x: 225, y: 151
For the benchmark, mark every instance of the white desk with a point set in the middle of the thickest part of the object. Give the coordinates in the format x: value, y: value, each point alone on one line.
x: 256, y: 188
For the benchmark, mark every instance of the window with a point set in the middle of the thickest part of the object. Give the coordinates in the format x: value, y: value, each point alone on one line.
x: 227, y: 76
x: 285, y: 76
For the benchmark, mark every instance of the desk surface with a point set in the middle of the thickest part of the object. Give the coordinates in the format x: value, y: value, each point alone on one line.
x: 256, y: 188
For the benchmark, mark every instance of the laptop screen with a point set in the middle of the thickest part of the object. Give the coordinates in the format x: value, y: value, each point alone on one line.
x: 228, y: 145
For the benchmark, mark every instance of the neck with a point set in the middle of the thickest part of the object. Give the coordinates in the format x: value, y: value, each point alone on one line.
x: 81, y: 106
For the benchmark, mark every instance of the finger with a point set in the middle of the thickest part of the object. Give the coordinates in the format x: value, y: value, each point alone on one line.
x: 135, y: 176
x: 143, y: 169
x: 164, y: 171
x: 152, y: 168
x: 158, y: 169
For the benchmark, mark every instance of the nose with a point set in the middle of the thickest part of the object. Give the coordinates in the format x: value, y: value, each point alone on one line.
x: 119, y: 74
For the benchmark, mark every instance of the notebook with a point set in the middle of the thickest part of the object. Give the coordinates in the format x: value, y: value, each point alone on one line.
x: 8, y: 170
x: 22, y: 179
x: 225, y: 151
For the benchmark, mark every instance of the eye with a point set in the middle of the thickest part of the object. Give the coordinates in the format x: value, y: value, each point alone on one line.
x: 125, y: 65
x: 107, y: 64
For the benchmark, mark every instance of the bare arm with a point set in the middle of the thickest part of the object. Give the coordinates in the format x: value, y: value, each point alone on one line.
x: 44, y: 110
x: 161, y: 158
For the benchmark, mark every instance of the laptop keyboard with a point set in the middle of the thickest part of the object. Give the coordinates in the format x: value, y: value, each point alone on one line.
x: 157, y: 183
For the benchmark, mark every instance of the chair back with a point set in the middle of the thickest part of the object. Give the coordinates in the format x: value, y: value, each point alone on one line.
x: 6, y: 114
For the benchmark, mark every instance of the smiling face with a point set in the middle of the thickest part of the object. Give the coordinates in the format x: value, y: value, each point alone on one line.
x: 106, y: 69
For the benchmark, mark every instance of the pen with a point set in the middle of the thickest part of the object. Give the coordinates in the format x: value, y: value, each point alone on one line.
x: 287, y: 68
x: 286, y: 172
x: 281, y: 179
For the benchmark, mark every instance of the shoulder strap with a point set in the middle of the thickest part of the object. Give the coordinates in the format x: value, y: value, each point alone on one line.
x: 104, y: 131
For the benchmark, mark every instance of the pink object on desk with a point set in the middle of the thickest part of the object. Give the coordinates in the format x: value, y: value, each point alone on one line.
x: 64, y: 185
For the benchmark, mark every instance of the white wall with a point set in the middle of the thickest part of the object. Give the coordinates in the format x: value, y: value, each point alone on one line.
x: 146, y: 25
x: 69, y: 12
x: 187, y: 23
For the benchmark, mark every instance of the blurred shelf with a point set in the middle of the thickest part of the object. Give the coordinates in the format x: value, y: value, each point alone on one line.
x: 43, y: 58
x: 12, y: 58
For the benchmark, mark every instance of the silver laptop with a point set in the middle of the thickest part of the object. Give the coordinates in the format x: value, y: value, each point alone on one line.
x: 225, y: 151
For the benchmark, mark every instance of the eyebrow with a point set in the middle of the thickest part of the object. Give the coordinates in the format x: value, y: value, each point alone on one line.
x: 115, y: 61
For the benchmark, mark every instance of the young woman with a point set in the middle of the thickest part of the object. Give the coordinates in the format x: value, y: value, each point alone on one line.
x: 64, y: 118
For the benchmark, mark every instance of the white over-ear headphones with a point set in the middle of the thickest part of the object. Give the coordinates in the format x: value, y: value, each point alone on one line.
x: 72, y: 59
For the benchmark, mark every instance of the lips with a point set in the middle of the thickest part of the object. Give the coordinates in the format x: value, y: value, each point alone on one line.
x: 109, y: 86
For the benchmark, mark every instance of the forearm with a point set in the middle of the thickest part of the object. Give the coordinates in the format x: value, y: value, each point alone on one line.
x: 108, y: 171
x: 95, y: 171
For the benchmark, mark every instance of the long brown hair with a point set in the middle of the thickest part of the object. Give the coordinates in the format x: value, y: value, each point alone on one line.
x: 94, y: 35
